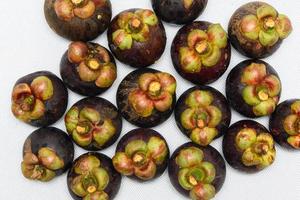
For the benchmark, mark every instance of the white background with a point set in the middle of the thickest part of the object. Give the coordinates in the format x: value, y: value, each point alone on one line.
x: 27, y: 45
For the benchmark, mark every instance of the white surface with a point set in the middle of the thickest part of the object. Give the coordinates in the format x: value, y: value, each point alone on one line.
x: 27, y: 45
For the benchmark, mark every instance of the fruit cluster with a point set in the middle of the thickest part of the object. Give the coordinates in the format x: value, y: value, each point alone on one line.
x: 201, y: 53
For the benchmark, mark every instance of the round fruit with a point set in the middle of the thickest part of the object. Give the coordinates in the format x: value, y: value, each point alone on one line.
x: 39, y: 99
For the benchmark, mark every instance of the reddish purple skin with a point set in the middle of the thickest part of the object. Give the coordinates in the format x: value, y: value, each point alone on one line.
x: 141, y: 54
x: 78, y: 29
x: 276, y: 123
x: 56, y: 106
x: 219, y: 101
x: 234, y: 87
x: 71, y: 78
x: 106, y: 110
x: 173, y: 11
x: 143, y: 134
x: 55, y: 139
x: 207, y: 74
x: 250, y: 49
x: 115, y: 178
x: 232, y: 155
x: 210, y: 155
x: 129, y: 83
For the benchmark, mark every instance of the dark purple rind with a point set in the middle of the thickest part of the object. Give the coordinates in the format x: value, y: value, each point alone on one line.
x: 106, y: 110
x: 55, y: 139
x: 145, y: 135
x: 173, y: 11
x: 210, y: 155
x: 232, y: 155
x: 252, y: 49
x: 234, y: 87
x: 276, y: 123
x: 219, y: 101
x: 70, y: 76
x: 207, y: 74
x: 56, y: 105
x: 141, y: 54
x: 78, y: 29
x: 130, y: 83
x: 115, y: 178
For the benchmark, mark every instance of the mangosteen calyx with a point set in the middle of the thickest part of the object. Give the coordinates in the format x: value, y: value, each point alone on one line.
x: 90, y: 179
x: 196, y: 175
x: 141, y: 158
x: 201, y: 118
x: 93, y: 63
x: 155, y: 91
x: 41, y: 166
x: 291, y: 125
x: 257, y: 148
x: 28, y: 101
x: 262, y: 90
x: 203, y: 48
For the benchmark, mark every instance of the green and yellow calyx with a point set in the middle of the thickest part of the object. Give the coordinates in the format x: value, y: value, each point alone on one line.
x: 91, y: 179
x: 66, y: 10
x: 141, y: 158
x: 262, y: 90
x: 28, y: 101
x: 42, y: 166
x: 258, y: 148
x: 155, y: 91
x: 201, y: 117
x: 133, y: 26
x: 291, y: 125
x: 86, y: 126
x: 203, y: 48
x: 93, y: 63
x: 196, y: 175
x: 267, y: 26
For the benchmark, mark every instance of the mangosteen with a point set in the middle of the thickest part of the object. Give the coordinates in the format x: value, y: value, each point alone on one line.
x: 47, y: 153
x: 78, y: 19
x: 93, y: 176
x: 137, y: 37
x: 178, y: 11
x: 257, y: 30
x: 285, y: 124
x: 142, y: 155
x: 197, y: 172
x: 93, y: 123
x: 253, y: 88
x: 203, y: 114
x: 201, y: 52
x: 39, y: 99
x: 147, y: 97
x: 88, y: 68
x: 248, y: 146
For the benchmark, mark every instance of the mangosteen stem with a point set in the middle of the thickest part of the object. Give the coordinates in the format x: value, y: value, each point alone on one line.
x: 201, y: 47
x: 201, y: 123
x: 27, y: 103
x: 138, y: 158
x: 91, y: 189
x: 269, y: 23
x: 154, y: 88
x: 77, y: 2
x: 82, y: 129
x: 261, y: 148
x: 93, y: 63
x: 193, y: 181
x: 262, y: 95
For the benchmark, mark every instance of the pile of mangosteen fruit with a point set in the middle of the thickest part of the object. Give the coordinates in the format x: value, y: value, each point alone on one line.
x: 146, y: 97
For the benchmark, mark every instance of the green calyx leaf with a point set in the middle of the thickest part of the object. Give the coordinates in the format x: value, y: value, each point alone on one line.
x: 158, y: 150
x: 265, y: 107
x: 213, y: 58
x: 245, y: 138
x: 102, y: 178
x: 217, y: 35
x: 135, y: 146
x: 42, y: 88
x: 190, y: 61
x: 90, y: 114
x: 189, y: 157
x: 269, y: 37
x: 123, y: 164
x: 283, y: 26
x: 122, y: 39
x: 250, y: 27
x: 199, y: 98
x: 203, y: 136
x: 71, y: 119
x: 266, y: 11
x: 50, y: 159
x: 203, y: 191
x: 104, y: 133
x: 86, y: 164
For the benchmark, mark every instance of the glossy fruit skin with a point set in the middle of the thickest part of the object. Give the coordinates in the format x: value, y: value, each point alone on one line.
x: 56, y: 106
x: 78, y: 29
x: 249, y: 50
x: 55, y: 139
x: 234, y: 87
x: 219, y: 101
x: 143, y: 134
x: 206, y: 75
x: 70, y: 76
x: 142, y: 54
x: 131, y: 82
x: 276, y: 123
x: 115, y: 178
x: 106, y: 109
x: 230, y: 152
x: 210, y: 155
x: 173, y: 11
